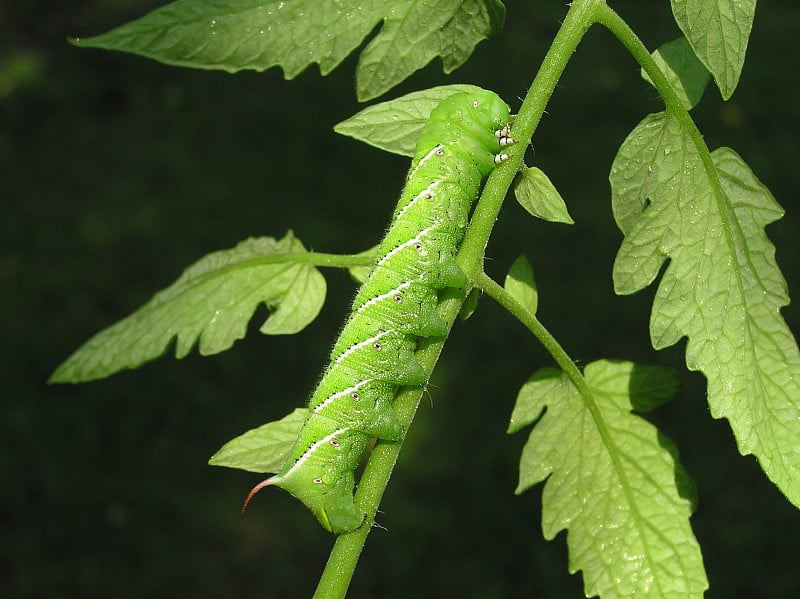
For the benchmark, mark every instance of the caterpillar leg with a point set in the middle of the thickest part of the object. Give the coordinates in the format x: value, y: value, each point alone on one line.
x: 462, y: 142
x: 504, y: 140
x: 504, y: 136
x: 337, y: 511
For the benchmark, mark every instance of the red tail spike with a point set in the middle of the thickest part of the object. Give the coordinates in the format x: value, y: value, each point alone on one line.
x: 254, y: 490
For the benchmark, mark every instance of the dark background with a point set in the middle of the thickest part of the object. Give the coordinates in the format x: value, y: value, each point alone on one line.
x: 116, y: 172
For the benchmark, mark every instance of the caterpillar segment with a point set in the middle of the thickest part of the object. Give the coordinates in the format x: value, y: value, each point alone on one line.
x: 395, y: 308
x: 365, y: 406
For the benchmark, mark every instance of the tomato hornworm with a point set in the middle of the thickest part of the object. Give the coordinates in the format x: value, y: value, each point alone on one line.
x: 458, y: 147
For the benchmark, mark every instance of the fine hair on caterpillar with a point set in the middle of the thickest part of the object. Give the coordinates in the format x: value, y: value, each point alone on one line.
x: 396, y: 307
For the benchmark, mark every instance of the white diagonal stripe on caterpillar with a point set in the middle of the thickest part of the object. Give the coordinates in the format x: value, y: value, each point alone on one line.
x: 360, y: 344
x: 383, y: 296
x: 411, y: 242
x: 312, y: 448
x: 349, y: 391
x: 426, y: 193
x: 424, y: 159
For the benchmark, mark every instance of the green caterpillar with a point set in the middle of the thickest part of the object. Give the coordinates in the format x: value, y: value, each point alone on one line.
x: 396, y: 306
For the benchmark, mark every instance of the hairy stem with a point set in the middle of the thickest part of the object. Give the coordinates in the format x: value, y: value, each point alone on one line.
x: 579, y: 18
x: 608, y: 18
x: 344, y: 556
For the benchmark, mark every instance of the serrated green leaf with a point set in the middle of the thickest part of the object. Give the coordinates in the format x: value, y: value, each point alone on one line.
x: 415, y: 32
x: 722, y: 289
x: 233, y: 35
x: 613, y: 481
x: 537, y: 194
x: 545, y: 382
x: 213, y: 300
x: 683, y: 70
x: 262, y: 449
x: 718, y: 31
x: 521, y: 284
x: 395, y: 125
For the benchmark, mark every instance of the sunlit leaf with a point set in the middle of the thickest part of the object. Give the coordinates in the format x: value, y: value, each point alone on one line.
x: 210, y: 304
x: 718, y: 31
x: 537, y: 194
x: 613, y: 481
x: 721, y: 288
x: 521, y: 284
x: 232, y: 35
x: 414, y: 33
x: 395, y: 125
x: 262, y: 449
x: 683, y: 70
x: 360, y: 273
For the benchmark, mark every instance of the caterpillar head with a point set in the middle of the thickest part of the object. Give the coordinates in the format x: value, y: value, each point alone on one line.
x: 490, y: 108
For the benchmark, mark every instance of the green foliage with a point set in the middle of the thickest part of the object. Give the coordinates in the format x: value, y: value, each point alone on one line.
x: 18, y: 69
x: 718, y: 33
x: 537, y: 194
x: 683, y: 70
x: 693, y: 216
x: 395, y: 125
x: 262, y: 449
x: 360, y: 273
x: 211, y: 304
x: 613, y: 480
x: 233, y: 35
x: 521, y: 285
x: 722, y: 288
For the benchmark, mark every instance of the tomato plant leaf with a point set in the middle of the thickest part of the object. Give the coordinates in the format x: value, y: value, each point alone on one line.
x: 540, y: 198
x: 233, y: 35
x: 360, y: 273
x: 722, y: 288
x: 612, y: 480
x: 415, y: 32
x: 262, y: 449
x: 211, y: 302
x: 521, y: 284
x: 718, y: 31
x: 395, y: 125
x: 687, y: 75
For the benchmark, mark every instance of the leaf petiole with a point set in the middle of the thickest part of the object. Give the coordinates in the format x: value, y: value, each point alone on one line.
x: 493, y: 289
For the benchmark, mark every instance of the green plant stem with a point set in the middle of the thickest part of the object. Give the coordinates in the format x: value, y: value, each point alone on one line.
x: 491, y: 288
x: 344, y: 556
x: 577, y: 21
x: 609, y: 19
